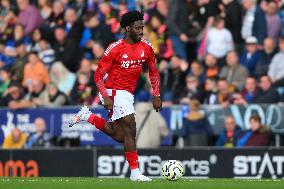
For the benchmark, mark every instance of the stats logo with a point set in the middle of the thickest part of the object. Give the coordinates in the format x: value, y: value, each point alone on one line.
x: 116, y: 166
x: 255, y: 166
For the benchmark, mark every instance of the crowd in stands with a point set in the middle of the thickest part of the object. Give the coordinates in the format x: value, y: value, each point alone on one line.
x: 214, y: 51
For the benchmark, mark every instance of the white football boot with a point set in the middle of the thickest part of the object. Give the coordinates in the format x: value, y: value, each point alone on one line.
x: 82, y: 115
x: 136, y: 175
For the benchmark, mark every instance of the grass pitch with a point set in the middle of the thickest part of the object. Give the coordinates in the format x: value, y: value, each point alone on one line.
x: 97, y: 183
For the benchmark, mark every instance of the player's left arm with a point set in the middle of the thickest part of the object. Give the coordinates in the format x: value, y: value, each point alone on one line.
x: 155, y: 79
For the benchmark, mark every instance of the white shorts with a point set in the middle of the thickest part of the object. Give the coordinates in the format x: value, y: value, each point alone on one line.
x: 123, y: 102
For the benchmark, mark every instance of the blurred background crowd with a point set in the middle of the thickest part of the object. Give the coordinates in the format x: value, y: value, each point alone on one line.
x: 215, y: 52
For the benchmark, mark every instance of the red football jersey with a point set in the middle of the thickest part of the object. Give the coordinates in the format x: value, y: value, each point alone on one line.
x: 123, y: 63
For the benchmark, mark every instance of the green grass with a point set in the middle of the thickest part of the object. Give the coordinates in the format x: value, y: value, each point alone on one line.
x: 97, y: 183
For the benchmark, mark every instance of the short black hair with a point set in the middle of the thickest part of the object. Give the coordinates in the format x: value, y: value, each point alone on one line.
x: 130, y: 17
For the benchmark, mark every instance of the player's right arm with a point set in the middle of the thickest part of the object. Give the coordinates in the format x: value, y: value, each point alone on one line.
x: 103, y: 66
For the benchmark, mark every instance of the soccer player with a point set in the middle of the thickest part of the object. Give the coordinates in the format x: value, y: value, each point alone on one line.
x: 122, y: 62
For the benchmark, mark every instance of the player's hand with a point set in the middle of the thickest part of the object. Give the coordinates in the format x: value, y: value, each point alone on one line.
x: 157, y: 103
x: 108, y: 103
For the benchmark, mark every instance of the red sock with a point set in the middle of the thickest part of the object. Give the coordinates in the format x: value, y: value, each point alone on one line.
x: 97, y: 121
x: 132, y: 158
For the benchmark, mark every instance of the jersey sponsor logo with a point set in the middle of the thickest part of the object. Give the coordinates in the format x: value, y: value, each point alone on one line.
x: 132, y: 63
x: 124, y: 56
x: 112, y: 46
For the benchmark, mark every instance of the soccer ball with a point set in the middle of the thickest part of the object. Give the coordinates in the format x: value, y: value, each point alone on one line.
x: 172, y: 170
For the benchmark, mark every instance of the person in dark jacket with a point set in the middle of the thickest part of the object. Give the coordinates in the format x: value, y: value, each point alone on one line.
x: 232, y: 12
x: 177, y: 26
x: 267, y: 94
x: 251, y: 55
x: 95, y: 30
x: 196, y: 129
x: 257, y: 135
x: 229, y: 136
x: 269, y: 50
x: 67, y: 39
x: 173, y: 79
x: 254, y: 21
x: 40, y: 138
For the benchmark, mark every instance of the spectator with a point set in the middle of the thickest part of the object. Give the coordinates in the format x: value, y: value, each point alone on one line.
x: 80, y: 6
x: 173, y: 78
x: 151, y: 126
x: 7, y: 54
x: 248, y: 94
x: 8, y: 18
x: 82, y: 91
x: 192, y: 91
x: 206, y: 11
x: 46, y: 53
x: 250, y: 56
x: 254, y: 22
x: 178, y: 29
x: 110, y: 15
x: 211, y: 91
x: 229, y: 136
x: 196, y: 129
x: 219, y: 39
x: 55, y: 98
x: 45, y: 7
x: 17, y: 69
x: 276, y: 68
x: 29, y: 16
x: 57, y: 16
x: 38, y: 95
x: 269, y: 50
x: 231, y: 10
x: 59, y: 44
x: 14, y: 97
x: 157, y: 34
x: 37, y: 35
x: 197, y: 70
x: 234, y: 72
x: 67, y: 49
x: 19, y: 35
x: 95, y: 30
x: 212, y: 68
x: 267, y: 93
x: 5, y: 81
x: 257, y: 135
x: 34, y: 70
x: 40, y: 138
x: 15, y: 140
x: 225, y: 93
x: 73, y: 26
x: 273, y: 21
x: 63, y: 78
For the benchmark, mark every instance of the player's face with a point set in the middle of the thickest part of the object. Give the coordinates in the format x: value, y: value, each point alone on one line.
x: 136, y: 31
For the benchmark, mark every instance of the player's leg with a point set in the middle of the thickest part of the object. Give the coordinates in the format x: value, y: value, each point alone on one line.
x: 107, y: 127
x: 128, y: 124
